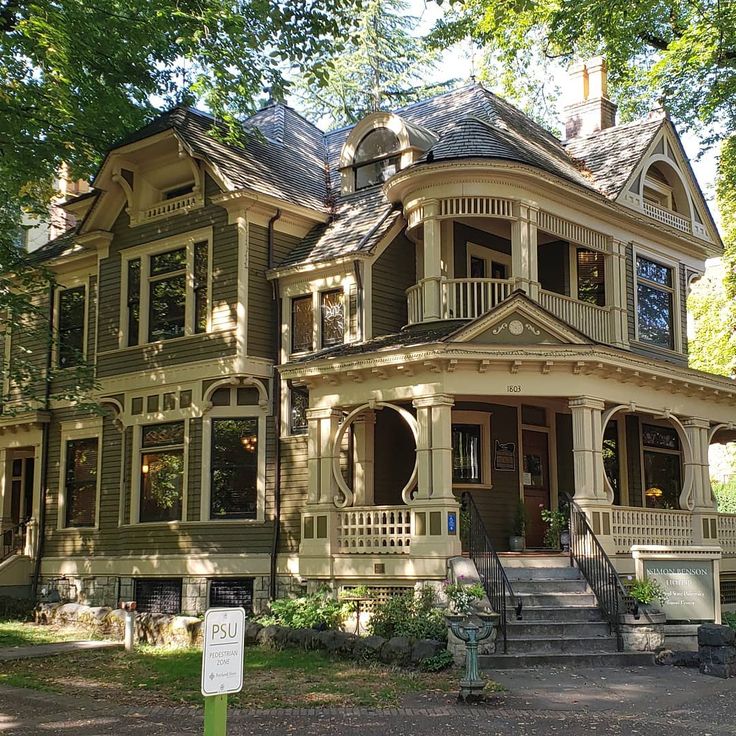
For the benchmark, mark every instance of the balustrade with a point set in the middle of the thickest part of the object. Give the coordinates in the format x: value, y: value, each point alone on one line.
x: 727, y: 533
x: 374, y: 530
x: 590, y: 319
x: 630, y: 525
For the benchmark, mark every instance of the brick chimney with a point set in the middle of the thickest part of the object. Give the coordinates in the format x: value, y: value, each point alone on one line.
x: 589, y: 109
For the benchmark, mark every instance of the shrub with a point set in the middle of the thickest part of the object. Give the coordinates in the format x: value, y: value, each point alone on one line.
x: 730, y: 619
x: 316, y: 611
x: 442, y: 661
x: 461, y: 597
x: 16, y: 609
x: 412, y: 614
x: 647, y: 591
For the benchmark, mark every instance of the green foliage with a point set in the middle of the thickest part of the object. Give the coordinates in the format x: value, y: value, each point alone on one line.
x: 413, y: 614
x: 729, y: 618
x: 520, y: 517
x: 16, y: 609
x: 725, y: 494
x: 383, y: 66
x: 316, y: 611
x: 556, y: 522
x: 442, y: 661
x: 647, y: 591
x: 462, y: 596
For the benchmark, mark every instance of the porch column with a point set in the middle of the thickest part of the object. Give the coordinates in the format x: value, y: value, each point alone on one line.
x: 705, y: 517
x: 322, y: 429
x: 615, y: 275
x: 435, y: 509
x: 5, y: 489
x: 364, y: 427
x: 431, y: 296
x: 524, y: 262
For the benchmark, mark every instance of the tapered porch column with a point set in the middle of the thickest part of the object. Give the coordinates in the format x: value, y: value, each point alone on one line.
x: 431, y: 296
x: 364, y: 427
x: 435, y: 509
x: 322, y: 429
x: 524, y: 262
x: 697, y: 466
x: 615, y: 275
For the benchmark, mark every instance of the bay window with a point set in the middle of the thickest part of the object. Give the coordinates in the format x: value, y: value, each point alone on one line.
x: 332, y: 311
x: 302, y: 329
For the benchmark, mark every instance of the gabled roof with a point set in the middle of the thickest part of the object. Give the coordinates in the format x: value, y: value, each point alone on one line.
x: 611, y: 155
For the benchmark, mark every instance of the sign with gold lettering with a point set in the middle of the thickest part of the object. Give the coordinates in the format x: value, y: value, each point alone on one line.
x: 689, y: 587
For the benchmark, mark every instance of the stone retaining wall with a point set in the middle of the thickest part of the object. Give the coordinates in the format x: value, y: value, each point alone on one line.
x: 717, y: 650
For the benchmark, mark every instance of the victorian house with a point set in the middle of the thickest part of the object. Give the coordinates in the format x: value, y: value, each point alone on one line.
x: 309, y: 347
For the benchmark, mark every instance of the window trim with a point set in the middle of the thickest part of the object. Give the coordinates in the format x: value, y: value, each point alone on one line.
x: 135, y: 478
x: 343, y: 283
x: 320, y: 317
x: 233, y: 411
x: 71, y: 284
x: 289, y: 428
x: 84, y: 429
x: 144, y: 252
x: 489, y: 255
x: 674, y: 267
x: 483, y: 420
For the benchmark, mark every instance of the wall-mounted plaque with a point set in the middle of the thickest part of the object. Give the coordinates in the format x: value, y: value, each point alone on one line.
x: 689, y: 587
x: 505, y: 456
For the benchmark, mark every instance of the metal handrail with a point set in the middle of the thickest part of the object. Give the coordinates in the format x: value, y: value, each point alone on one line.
x: 478, y: 545
x: 14, y: 540
x: 591, y: 559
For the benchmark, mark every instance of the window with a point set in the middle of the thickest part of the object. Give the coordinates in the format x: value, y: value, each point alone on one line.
x: 591, y: 276
x: 301, y: 324
x: 162, y: 471
x: 466, y: 453
x: 232, y: 593
x: 81, y: 482
x: 71, y: 326
x: 655, y: 303
x: 377, y: 158
x: 167, y: 293
x: 234, y: 468
x: 299, y: 403
x: 662, y: 466
x: 332, y: 313
x: 158, y: 596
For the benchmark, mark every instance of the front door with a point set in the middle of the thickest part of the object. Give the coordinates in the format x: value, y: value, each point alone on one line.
x: 21, y: 489
x: 535, y: 477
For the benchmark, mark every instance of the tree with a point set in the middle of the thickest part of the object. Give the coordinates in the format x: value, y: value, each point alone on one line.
x: 383, y: 66
x: 77, y: 75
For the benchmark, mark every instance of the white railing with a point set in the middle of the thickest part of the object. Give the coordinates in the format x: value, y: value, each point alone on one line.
x: 631, y: 525
x: 415, y: 304
x: 727, y: 533
x: 374, y: 530
x: 590, y: 319
x: 470, y: 298
x: 667, y: 217
x: 170, y: 207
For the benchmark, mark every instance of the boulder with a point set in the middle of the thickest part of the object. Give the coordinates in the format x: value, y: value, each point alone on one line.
x: 425, y: 649
x: 677, y: 658
x: 369, y: 647
x: 267, y: 637
x: 397, y: 650
x: 252, y: 628
x: 715, y: 635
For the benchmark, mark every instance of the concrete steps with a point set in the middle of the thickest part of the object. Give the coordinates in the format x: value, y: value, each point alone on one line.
x: 557, y: 629
x: 594, y: 659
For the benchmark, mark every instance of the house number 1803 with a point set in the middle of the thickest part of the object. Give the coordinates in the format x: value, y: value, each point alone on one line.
x: 514, y: 388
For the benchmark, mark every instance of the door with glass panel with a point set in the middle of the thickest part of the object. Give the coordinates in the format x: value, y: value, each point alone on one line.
x: 535, y: 479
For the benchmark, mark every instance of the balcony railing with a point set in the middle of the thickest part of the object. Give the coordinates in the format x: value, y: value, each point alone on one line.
x: 727, y: 533
x: 590, y: 319
x: 667, y: 217
x: 170, y: 206
x: 630, y: 525
x: 374, y: 530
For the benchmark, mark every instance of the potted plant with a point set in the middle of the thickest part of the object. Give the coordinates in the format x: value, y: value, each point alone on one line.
x: 461, y: 597
x: 517, y: 541
x: 556, y: 523
x: 648, y: 594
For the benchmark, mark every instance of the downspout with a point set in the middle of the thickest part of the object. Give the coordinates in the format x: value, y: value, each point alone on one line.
x: 276, y: 402
x: 41, y: 543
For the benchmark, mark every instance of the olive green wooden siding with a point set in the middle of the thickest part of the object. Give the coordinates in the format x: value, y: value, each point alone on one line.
x: 393, y: 273
x: 294, y: 479
x: 224, y: 292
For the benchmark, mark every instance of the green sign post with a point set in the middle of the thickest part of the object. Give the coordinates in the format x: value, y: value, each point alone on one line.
x: 222, y: 664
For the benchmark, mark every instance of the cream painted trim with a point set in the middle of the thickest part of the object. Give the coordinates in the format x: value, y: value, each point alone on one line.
x: 71, y: 283
x: 483, y: 420
x: 681, y: 453
x: 488, y: 255
x: 144, y: 252
x: 674, y: 266
x: 233, y: 412
x: 78, y: 430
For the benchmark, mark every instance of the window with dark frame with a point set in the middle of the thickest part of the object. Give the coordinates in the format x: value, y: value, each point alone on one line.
x: 161, y: 595
x: 662, y: 459
x: 71, y: 327
x: 591, y: 265
x: 655, y: 303
x: 298, y: 404
x: 232, y: 593
x: 162, y: 472
x: 377, y: 157
x: 201, y: 286
x: 167, y: 295
x: 466, y: 453
x: 81, y: 482
x: 234, y: 468
x: 302, y: 324
x: 332, y: 310
x: 134, y: 301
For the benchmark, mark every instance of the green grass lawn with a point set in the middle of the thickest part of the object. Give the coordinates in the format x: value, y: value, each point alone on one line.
x: 21, y: 634
x: 273, y: 679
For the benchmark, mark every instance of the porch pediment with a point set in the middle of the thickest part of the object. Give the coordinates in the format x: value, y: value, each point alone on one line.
x: 518, y: 321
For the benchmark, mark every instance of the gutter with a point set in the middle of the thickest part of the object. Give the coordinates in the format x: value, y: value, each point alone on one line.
x: 276, y: 403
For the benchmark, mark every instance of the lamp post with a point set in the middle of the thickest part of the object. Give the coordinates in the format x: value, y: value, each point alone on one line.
x: 465, y: 629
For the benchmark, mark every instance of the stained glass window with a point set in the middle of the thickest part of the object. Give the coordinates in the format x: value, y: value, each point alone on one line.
x: 333, y: 318
x: 301, y: 324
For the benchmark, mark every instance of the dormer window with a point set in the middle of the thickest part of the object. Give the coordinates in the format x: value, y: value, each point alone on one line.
x: 377, y: 158
x: 657, y: 190
x: 179, y: 191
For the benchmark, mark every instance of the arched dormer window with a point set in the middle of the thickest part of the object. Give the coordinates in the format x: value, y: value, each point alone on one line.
x: 377, y: 157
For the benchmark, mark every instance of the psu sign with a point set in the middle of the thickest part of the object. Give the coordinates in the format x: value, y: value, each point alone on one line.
x: 222, y: 653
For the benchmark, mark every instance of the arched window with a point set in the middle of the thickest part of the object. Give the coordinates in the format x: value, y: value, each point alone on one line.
x: 376, y: 158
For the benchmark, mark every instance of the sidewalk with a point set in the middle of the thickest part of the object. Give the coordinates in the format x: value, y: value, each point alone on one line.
x: 8, y: 654
x: 545, y: 702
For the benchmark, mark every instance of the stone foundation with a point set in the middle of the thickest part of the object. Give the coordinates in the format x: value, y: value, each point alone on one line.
x: 645, y: 634
x: 717, y: 650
